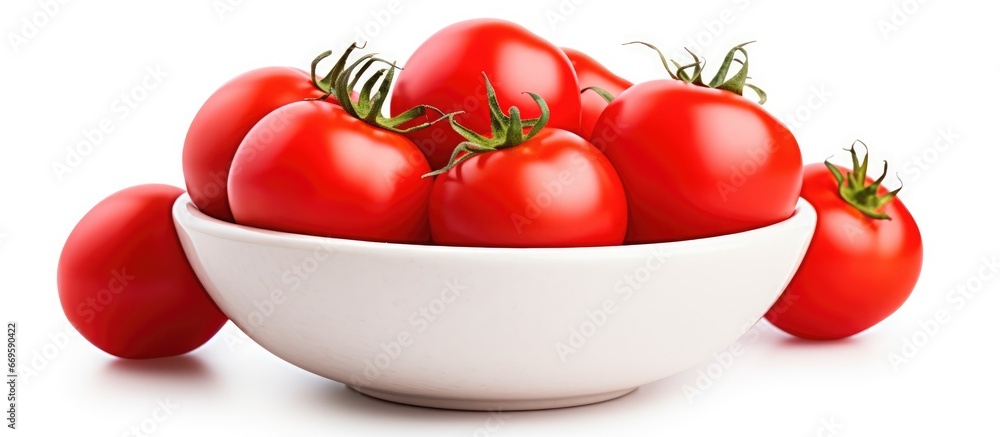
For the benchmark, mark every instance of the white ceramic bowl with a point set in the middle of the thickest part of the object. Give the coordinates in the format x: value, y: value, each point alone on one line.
x: 492, y: 328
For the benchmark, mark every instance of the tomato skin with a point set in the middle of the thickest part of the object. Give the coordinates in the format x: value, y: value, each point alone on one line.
x: 590, y: 73
x: 446, y: 72
x: 698, y: 162
x: 224, y: 120
x: 323, y: 172
x: 554, y: 190
x: 857, y: 270
x: 125, y: 283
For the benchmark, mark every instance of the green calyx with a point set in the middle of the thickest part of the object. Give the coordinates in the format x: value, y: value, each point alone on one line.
x: 605, y: 94
x: 865, y: 198
x: 342, y: 79
x: 505, y: 130
x: 325, y: 84
x: 692, y: 72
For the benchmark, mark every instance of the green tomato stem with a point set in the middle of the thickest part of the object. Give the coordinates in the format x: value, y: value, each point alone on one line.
x: 506, y: 130
x: 862, y: 197
x: 734, y: 84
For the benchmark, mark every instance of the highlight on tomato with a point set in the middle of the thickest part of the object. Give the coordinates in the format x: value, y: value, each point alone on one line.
x: 697, y: 159
x: 864, y: 259
x: 546, y: 187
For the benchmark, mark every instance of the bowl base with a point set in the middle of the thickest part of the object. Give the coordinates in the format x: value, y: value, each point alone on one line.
x: 493, y: 405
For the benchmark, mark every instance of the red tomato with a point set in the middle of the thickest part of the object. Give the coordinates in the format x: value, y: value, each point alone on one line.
x: 125, y: 283
x: 445, y: 72
x: 317, y: 168
x: 590, y: 73
x: 327, y: 173
x: 859, y: 269
x: 224, y: 121
x: 698, y: 161
x: 549, y: 188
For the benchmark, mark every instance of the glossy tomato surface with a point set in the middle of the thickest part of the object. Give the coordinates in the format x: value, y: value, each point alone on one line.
x: 555, y: 190
x: 223, y: 121
x: 591, y: 73
x: 857, y: 271
x: 125, y: 283
x: 698, y: 162
x: 446, y: 72
x: 326, y: 173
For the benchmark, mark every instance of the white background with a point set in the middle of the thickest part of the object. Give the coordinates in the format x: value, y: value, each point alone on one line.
x: 835, y: 71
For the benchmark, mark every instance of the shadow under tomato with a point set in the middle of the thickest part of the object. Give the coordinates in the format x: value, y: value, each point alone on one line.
x: 189, y: 367
x: 768, y: 333
x: 803, y: 343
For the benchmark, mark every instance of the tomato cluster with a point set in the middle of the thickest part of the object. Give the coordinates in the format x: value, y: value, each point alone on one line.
x: 497, y: 138
x: 556, y: 168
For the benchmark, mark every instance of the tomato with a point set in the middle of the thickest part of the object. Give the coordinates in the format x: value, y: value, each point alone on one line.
x: 862, y: 263
x: 444, y: 72
x: 548, y: 188
x: 125, y: 283
x: 590, y: 73
x: 698, y: 160
x: 314, y: 167
x: 223, y: 122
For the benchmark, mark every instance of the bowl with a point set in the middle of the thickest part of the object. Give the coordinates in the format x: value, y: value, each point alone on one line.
x: 497, y: 329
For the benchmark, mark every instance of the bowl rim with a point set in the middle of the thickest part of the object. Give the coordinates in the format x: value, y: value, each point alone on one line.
x: 187, y: 215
